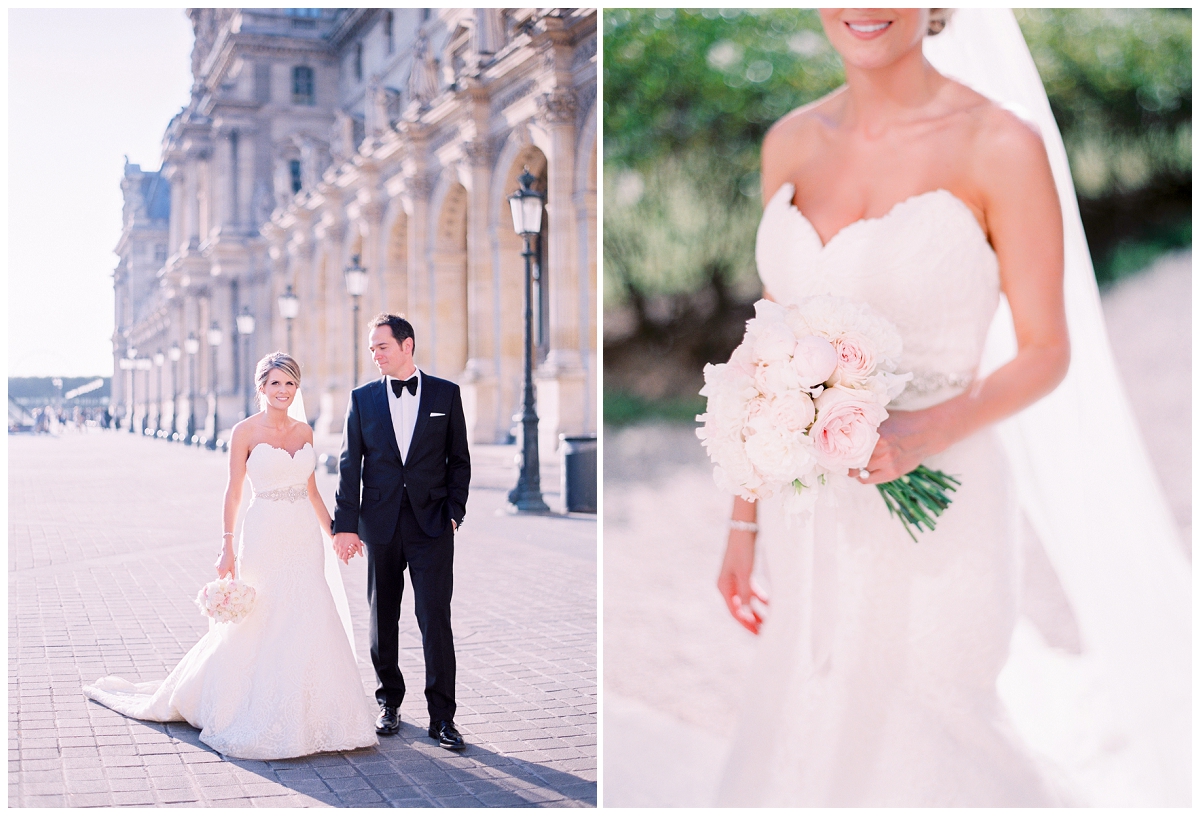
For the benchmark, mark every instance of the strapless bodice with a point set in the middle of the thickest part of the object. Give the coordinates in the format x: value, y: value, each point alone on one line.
x: 925, y: 265
x: 273, y: 471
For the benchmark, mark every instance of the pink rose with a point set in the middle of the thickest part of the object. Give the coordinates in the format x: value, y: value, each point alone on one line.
x: 855, y: 358
x: 814, y: 360
x: 846, y: 429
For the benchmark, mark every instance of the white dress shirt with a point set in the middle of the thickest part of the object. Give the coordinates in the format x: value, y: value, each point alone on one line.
x: 404, y: 410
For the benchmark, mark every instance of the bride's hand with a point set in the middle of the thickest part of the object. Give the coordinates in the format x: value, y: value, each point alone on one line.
x: 906, y: 438
x: 734, y: 580
x: 225, y: 562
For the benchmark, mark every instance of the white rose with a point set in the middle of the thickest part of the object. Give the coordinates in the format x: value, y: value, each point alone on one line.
x: 814, y: 360
x: 793, y: 412
x: 774, y: 343
x: 776, y: 377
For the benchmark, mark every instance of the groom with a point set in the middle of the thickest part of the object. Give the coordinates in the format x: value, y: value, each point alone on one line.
x: 405, y: 445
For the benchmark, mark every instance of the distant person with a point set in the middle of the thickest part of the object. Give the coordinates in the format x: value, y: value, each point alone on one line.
x: 283, y: 681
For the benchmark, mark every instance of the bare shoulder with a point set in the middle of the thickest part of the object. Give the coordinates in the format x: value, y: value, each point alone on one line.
x: 1005, y: 148
x: 795, y: 139
x: 243, y: 435
x: 302, y: 430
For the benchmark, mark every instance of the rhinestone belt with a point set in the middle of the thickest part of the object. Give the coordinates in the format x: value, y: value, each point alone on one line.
x: 294, y: 493
x: 937, y: 380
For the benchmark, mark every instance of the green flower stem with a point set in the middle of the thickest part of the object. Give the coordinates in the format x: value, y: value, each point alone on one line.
x: 918, y: 498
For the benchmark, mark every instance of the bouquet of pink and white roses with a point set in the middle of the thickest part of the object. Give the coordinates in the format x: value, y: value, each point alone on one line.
x: 225, y: 600
x: 802, y: 398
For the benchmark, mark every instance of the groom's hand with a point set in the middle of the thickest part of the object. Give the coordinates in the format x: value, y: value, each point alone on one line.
x: 347, y: 545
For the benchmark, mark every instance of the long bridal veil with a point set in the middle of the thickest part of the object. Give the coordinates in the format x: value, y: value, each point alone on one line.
x: 333, y: 573
x: 1100, y: 682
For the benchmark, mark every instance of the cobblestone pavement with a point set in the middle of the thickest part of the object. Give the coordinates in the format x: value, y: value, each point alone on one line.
x: 676, y: 665
x: 111, y: 535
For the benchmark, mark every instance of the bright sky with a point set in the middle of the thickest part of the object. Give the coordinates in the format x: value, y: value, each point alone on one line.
x: 86, y: 86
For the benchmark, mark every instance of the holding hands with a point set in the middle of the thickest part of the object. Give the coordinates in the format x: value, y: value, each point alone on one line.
x: 347, y: 545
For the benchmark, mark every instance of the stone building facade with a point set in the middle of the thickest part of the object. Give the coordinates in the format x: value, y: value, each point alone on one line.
x: 318, y: 137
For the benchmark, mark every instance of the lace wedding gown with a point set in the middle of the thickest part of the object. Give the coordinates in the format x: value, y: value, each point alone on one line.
x: 876, y: 677
x: 283, y: 681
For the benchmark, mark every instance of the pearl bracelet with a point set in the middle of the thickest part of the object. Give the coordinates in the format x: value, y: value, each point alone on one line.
x: 743, y: 526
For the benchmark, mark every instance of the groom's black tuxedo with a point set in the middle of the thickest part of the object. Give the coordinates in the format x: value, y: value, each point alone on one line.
x: 403, y: 517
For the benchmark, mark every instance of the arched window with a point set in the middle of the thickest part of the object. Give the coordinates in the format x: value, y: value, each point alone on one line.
x: 358, y: 61
x: 297, y: 175
x: 302, y: 86
x: 388, y: 19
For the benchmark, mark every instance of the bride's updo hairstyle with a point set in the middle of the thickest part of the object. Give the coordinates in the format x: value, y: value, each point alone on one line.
x: 276, y: 359
x: 938, y: 19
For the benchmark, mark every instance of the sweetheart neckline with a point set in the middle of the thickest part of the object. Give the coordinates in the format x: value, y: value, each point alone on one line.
x: 291, y: 456
x: 962, y: 205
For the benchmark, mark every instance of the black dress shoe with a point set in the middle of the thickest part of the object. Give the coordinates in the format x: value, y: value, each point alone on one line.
x: 388, y: 722
x: 447, y: 735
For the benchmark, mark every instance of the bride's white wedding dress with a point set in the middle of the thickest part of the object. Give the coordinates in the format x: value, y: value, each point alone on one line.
x: 283, y: 681
x: 1035, y: 648
x: 876, y: 679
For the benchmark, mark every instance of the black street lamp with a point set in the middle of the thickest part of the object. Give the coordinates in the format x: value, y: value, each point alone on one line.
x: 526, y: 208
x: 159, y: 360
x: 289, y: 307
x: 175, y: 352
x: 215, y: 336
x: 245, y: 327
x: 192, y: 345
x: 356, y: 284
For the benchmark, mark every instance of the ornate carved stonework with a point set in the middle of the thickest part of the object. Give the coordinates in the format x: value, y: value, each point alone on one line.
x: 557, y: 107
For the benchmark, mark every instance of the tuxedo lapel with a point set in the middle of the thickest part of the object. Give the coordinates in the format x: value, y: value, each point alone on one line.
x: 380, y: 398
x: 427, y: 387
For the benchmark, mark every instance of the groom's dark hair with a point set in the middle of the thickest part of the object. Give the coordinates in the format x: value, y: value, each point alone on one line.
x: 401, y: 328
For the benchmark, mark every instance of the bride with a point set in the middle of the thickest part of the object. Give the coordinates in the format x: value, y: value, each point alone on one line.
x: 888, y: 672
x: 283, y: 681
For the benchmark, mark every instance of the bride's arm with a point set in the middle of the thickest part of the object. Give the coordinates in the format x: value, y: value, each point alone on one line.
x: 734, y: 580
x: 1025, y: 228
x: 314, y: 497
x: 239, y: 452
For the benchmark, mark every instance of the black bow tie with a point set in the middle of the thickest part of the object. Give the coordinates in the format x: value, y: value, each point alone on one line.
x: 398, y: 386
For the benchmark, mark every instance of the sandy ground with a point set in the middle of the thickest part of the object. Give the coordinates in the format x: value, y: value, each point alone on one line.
x: 675, y: 662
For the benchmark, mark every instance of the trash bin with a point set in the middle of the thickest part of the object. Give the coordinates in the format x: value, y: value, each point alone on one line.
x: 578, y: 472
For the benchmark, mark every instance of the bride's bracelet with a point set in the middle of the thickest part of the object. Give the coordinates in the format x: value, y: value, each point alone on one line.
x: 743, y: 526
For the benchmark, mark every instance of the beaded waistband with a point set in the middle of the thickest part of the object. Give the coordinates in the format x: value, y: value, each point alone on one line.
x: 937, y: 380
x: 294, y: 493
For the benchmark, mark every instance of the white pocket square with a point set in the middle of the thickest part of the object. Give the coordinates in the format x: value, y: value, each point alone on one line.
x: 435, y: 413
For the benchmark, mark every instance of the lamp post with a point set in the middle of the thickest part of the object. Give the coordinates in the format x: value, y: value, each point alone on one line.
x: 145, y: 364
x: 289, y: 307
x: 245, y: 327
x: 159, y: 360
x: 130, y: 366
x: 356, y: 284
x: 215, y: 336
x: 175, y: 352
x: 526, y: 205
x: 192, y: 345
x: 127, y: 365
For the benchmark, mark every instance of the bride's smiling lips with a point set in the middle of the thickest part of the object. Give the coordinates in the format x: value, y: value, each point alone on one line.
x: 867, y: 29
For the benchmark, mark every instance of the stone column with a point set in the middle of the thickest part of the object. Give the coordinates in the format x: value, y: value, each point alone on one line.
x: 481, y: 402
x: 420, y: 265
x: 561, y: 385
